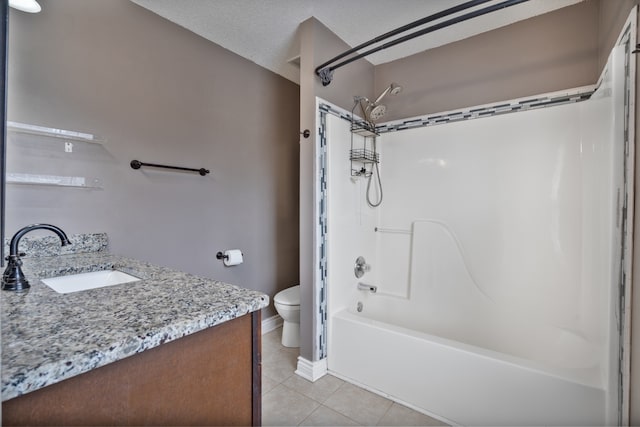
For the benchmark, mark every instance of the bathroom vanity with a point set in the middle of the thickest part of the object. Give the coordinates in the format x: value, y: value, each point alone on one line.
x: 169, y: 349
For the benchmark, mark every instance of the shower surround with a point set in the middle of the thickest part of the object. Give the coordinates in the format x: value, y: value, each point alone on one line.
x: 496, y: 257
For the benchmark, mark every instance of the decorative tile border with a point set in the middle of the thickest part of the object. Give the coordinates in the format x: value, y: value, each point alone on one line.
x: 488, y: 111
x: 322, y: 238
x: 477, y: 112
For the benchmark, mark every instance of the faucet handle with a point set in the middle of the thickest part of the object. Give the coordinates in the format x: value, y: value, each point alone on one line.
x: 361, y: 267
x: 19, y: 254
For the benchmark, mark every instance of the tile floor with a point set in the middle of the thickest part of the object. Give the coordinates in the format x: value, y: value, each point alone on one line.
x: 289, y: 400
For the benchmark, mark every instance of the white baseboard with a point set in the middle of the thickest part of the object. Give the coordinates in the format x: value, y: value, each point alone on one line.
x: 271, y: 323
x: 311, y: 371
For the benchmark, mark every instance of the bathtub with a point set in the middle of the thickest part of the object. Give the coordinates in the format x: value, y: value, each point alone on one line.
x: 449, y: 347
x: 462, y: 383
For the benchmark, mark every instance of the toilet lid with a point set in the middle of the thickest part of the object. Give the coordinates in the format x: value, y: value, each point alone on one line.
x: 290, y: 296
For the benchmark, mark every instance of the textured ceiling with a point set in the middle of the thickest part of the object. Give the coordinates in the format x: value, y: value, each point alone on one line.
x: 265, y: 31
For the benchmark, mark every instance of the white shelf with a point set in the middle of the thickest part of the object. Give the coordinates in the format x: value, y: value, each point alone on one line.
x: 54, y: 133
x: 54, y: 180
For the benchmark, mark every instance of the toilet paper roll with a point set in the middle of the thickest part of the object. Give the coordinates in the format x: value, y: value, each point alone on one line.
x: 232, y: 257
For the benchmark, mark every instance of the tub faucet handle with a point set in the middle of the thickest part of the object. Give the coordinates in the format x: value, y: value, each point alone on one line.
x: 361, y: 267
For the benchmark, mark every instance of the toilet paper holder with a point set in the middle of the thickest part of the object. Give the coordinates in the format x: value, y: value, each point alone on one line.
x: 229, y: 259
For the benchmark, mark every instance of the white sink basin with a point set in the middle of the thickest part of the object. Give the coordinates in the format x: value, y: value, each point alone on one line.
x: 84, y: 281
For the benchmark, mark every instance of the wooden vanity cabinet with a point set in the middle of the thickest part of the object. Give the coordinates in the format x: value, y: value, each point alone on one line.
x: 211, y: 377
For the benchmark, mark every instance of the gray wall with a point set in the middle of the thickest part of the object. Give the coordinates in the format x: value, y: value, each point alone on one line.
x: 160, y: 94
x: 611, y: 17
x: 554, y: 51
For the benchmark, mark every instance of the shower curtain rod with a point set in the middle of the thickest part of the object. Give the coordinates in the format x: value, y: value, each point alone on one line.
x: 325, y: 72
x: 404, y: 28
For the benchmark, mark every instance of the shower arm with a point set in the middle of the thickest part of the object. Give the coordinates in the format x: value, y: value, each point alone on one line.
x: 325, y: 71
x: 382, y: 95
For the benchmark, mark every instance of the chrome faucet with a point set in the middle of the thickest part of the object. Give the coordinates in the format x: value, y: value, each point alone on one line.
x: 13, y: 278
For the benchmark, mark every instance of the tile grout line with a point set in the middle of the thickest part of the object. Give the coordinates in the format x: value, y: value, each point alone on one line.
x: 321, y: 404
x: 278, y: 349
x: 386, y: 412
x: 331, y: 409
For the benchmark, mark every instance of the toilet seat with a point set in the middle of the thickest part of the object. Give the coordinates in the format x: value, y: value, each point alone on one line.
x: 290, y: 296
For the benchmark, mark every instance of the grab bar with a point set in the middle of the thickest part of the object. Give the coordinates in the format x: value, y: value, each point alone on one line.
x: 392, y: 230
x: 136, y: 164
x: 364, y: 287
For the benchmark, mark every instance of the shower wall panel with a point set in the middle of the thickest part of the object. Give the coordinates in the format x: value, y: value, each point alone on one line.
x: 525, y: 200
x: 351, y: 221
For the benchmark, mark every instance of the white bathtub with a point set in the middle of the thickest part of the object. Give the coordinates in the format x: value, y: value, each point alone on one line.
x: 462, y: 383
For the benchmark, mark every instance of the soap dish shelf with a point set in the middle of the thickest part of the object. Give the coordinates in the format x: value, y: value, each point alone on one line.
x: 90, y: 183
x: 364, y: 155
x: 67, y: 135
x: 363, y: 128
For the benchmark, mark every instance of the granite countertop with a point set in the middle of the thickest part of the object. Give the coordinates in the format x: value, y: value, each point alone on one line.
x: 48, y: 337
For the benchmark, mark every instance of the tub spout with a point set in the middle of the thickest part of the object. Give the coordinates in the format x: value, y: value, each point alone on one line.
x: 364, y: 287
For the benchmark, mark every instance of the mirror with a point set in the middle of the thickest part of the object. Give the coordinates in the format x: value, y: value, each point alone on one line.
x: 4, y: 26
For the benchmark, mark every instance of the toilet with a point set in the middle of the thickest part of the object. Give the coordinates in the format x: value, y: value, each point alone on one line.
x: 287, y: 305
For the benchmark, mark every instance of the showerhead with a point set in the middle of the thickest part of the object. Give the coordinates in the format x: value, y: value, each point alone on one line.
x: 377, y: 112
x: 373, y: 111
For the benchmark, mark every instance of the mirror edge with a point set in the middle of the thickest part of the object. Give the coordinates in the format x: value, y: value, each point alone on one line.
x: 4, y: 57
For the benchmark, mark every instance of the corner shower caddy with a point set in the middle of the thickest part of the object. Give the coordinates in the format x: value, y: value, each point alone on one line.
x: 364, y: 156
